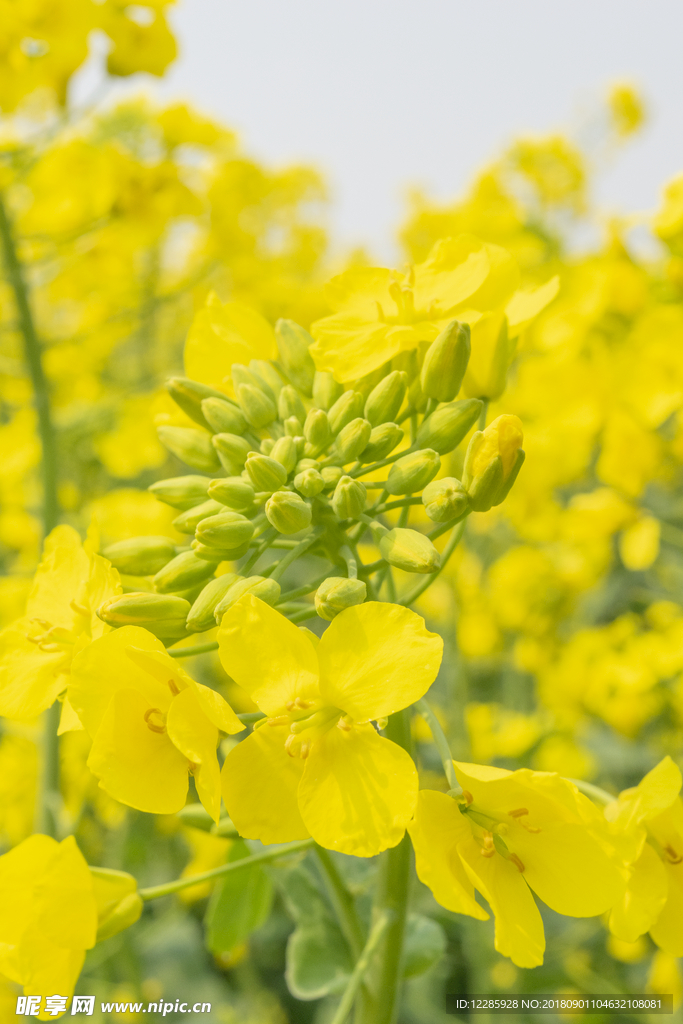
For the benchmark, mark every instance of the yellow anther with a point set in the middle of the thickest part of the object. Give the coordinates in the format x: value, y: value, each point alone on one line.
x: 48, y: 647
x: 516, y: 861
x: 155, y: 726
x: 279, y: 720
x: 467, y: 797
x: 519, y: 812
x: 488, y: 849
x: 302, y: 704
x: 344, y: 724
x: 33, y: 639
x: 80, y: 609
x: 672, y: 856
x: 380, y: 312
x: 173, y: 687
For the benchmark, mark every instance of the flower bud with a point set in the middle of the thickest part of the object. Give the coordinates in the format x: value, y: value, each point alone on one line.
x: 417, y: 400
x: 126, y: 913
x: 189, y: 395
x: 445, y: 428
x: 267, y: 374
x: 348, y: 500
x: 182, y: 572
x: 233, y: 491
x: 257, y: 407
x: 223, y: 417
x: 288, y: 512
x: 181, y: 491
x: 445, y: 362
x: 445, y: 499
x: 232, y: 451
x: 386, y: 398
x: 284, y: 451
x: 303, y: 464
x: 190, y: 446
x: 242, y: 375
x: 364, y: 385
x: 409, y: 550
x: 213, y: 554
x: 226, y: 530
x: 266, y: 473
x: 265, y: 589
x: 383, y: 440
x: 352, y: 439
x: 493, y: 460
x: 309, y: 483
x: 293, y: 427
x: 412, y: 472
x: 266, y: 446
x: 326, y: 390
x: 163, y: 615
x: 187, y: 522
x: 317, y: 429
x: 289, y: 404
x: 201, y: 615
x: 140, y: 556
x: 348, y: 406
x: 292, y: 344
x: 337, y: 593
x: 119, y: 904
x: 492, y: 351
x: 331, y: 476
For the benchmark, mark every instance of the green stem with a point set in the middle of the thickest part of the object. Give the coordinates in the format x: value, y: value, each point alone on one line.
x: 189, y: 652
x: 399, y: 503
x: 307, y: 588
x: 154, y: 892
x: 50, y: 806
x: 343, y: 903
x: 380, y: 465
x: 355, y: 981
x: 484, y: 413
x: 440, y: 742
x: 351, y: 561
x: 309, y: 613
x: 264, y: 543
x: 428, y: 580
x: 296, y: 552
x: 445, y: 527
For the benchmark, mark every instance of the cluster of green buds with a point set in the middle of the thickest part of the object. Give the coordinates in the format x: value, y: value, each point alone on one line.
x: 291, y: 461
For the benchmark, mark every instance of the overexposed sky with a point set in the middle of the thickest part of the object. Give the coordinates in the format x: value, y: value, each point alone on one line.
x: 386, y: 94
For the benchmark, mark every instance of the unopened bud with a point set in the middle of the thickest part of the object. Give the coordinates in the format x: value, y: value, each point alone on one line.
x: 383, y: 440
x: 213, y: 554
x: 163, y: 615
x: 289, y: 404
x: 309, y: 483
x: 267, y: 445
x: 412, y: 472
x: 226, y: 530
x: 189, y: 395
x: 364, y: 385
x: 326, y: 390
x: 445, y: 428
x: 348, y: 406
x: 268, y: 374
x: 492, y: 351
x: 140, y: 556
x: 331, y: 476
x: 492, y: 463
x: 445, y: 499
x: 348, y: 500
x: 181, y: 491
x: 445, y: 362
x: 118, y: 903
x: 386, y: 398
x: 257, y: 407
x: 284, y: 451
x: 190, y: 446
x: 201, y: 615
x: 187, y: 522
x: 266, y: 473
x: 233, y: 491
x: 243, y: 375
x: 337, y: 593
x: 352, y: 439
x: 417, y: 400
x: 303, y: 464
x: 293, y: 427
x: 223, y: 417
x: 317, y: 429
x: 183, y: 572
x: 288, y: 512
x: 265, y: 589
x: 232, y: 451
x: 409, y: 550
x: 292, y: 344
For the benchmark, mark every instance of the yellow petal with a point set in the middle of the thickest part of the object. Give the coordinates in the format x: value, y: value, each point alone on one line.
x: 68, y: 719
x: 65, y: 900
x: 267, y: 655
x: 217, y: 710
x: 260, y: 783
x: 359, y: 289
x: 63, y: 568
x: 455, y: 270
x: 135, y: 765
x: 436, y: 830
x: 519, y: 928
x: 47, y: 969
x: 525, y: 305
x: 548, y: 797
x: 30, y: 679
x: 20, y: 868
x: 358, y: 791
x: 377, y: 658
x: 351, y: 346
x: 196, y: 737
x: 656, y: 792
x: 667, y: 931
x: 222, y: 334
x: 644, y: 898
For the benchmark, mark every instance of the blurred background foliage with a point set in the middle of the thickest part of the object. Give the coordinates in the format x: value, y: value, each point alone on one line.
x: 562, y: 611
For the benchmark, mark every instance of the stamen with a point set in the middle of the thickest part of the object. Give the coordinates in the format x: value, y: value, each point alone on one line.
x: 153, y: 725
x: 344, y: 724
x: 380, y: 312
x: 279, y: 720
x: 488, y: 848
x: 519, y: 812
x: 34, y: 639
x: 173, y: 687
x: 467, y: 797
x: 302, y: 704
x: 516, y: 861
x: 80, y: 609
x: 48, y: 647
x: 192, y: 767
x: 672, y: 856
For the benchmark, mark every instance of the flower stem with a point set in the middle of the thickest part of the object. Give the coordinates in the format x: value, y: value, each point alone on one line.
x: 296, y: 552
x: 428, y: 580
x: 353, y: 985
x: 49, y: 808
x: 342, y: 901
x: 440, y: 742
x: 189, y: 652
x: 481, y: 425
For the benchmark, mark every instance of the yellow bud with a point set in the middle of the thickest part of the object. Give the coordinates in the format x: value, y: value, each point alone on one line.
x: 493, y: 460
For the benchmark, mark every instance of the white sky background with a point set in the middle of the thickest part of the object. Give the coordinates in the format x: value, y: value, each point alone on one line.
x: 385, y: 94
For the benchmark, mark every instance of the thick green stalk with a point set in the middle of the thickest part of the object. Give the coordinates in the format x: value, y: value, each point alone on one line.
x: 189, y: 652
x: 481, y: 425
x: 48, y: 812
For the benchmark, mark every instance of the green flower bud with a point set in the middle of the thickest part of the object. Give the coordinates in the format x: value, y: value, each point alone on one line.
x: 265, y: 589
x: 292, y: 344
x: 293, y: 427
x: 337, y: 593
x: 233, y: 491
x: 364, y: 385
x: 288, y: 512
x: 303, y: 464
x: 257, y: 407
x: 187, y: 522
x: 183, y: 572
x: 309, y: 482
x: 409, y: 550
x: 226, y: 530
x: 232, y: 451
x: 213, y: 554
x: 326, y: 390
x: 284, y: 451
x: 417, y: 400
x: 331, y: 475
x: 386, y: 398
x: 412, y: 472
x: 289, y: 404
x: 163, y: 615
x: 242, y: 375
x: 223, y: 416
x: 352, y: 439
x: 126, y: 913
x: 140, y: 556
x: 493, y: 460
x: 189, y: 395
x: 201, y: 615
x: 348, y: 500
x: 268, y: 374
x: 445, y: 499
x: 265, y: 473
x: 118, y: 901
x: 181, y: 491
x: 348, y: 406
x: 445, y: 428
x: 267, y: 445
x: 445, y: 363
x: 317, y: 429
x: 383, y: 440
x: 190, y: 446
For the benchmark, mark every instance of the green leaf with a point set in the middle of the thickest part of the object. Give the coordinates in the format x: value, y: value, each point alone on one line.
x: 425, y: 943
x: 239, y: 904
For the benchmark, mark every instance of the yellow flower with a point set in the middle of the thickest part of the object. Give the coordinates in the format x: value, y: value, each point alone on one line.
x: 150, y: 723
x: 36, y: 651
x: 626, y: 109
x: 316, y: 765
x: 222, y: 334
x: 511, y: 833
x: 651, y: 814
